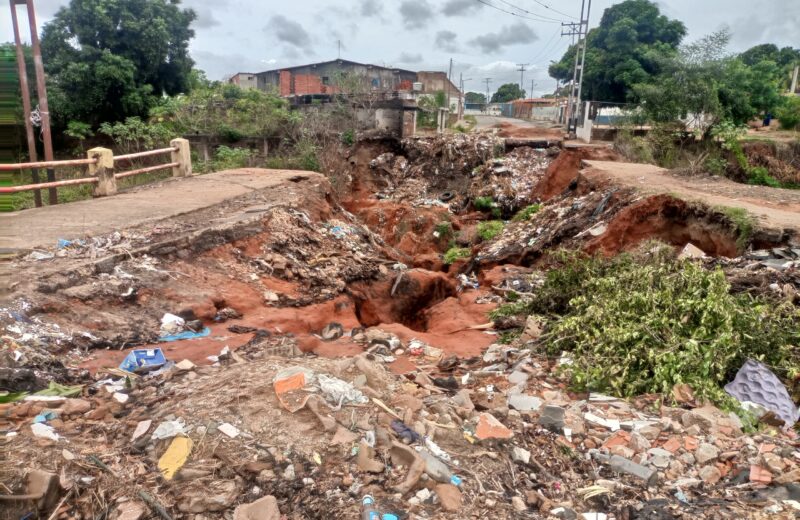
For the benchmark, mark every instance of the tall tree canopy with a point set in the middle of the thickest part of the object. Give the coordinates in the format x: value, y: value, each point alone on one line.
x: 704, y: 80
x: 474, y: 97
x: 625, y: 49
x: 508, y: 92
x: 107, y: 59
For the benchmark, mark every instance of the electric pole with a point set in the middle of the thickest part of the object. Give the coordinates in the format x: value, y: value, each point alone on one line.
x: 41, y: 91
x: 577, y: 71
x: 533, y: 84
x: 487, y: 80
x: 521, y: 70
x: 793, y: 87
x: 26, y: 104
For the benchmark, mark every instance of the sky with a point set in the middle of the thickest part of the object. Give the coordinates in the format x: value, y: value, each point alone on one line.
x: 483, y: 42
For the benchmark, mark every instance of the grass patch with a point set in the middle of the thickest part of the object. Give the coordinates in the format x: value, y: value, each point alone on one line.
x: 742, y: 221
x: 490, y: 229
x: 527, y: 212
x: 454, y: 253
x: 641, y: 323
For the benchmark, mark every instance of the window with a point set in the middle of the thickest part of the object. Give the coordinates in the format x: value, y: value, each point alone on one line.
x: 326, y: 80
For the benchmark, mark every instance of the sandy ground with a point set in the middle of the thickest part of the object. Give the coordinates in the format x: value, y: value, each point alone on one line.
x: 773, y: 207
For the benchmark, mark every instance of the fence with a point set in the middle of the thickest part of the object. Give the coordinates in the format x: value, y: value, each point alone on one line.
x: 101, y: 163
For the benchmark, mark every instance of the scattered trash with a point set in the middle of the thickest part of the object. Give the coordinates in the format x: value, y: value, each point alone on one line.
x: 186, y: 334
x: 175, y: 457
x: 171, y: 324
x: 44, y: 431
x: 405, y: 433
x: 169, y: 429
x: 229, y: 430
x: 141, y: 429
x: 338, y: 392
x: 332, y: 331
x: 754, y: 382
x: 141, y: 361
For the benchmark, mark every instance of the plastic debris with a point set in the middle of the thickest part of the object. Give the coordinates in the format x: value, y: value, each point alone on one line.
x: 186, y: 334
x: 405, y: 433
x: 143, y: 360
x: 175, y: 457
x: 44, y: 431
x: 755, y: 382
x: 171, y: 324
x: 229, y: 430
x: 340, y: 392
x: 169, y: 429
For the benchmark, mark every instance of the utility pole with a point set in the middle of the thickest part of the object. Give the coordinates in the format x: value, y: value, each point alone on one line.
x: 487, y: 80
x: 26, y: 103
x: 521, y: 70
x: 41, y: 90
x: 533, y: 84
x: 449, y: 82
x: 577, y: 71
x: 793, y: 87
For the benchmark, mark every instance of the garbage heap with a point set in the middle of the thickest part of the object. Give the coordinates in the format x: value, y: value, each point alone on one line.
x: 265, y: 433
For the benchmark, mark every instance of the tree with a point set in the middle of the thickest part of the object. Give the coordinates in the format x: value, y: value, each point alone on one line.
x: 474, y: 97
x: 508, y: 92
x: 627, y: 48
x: 108, y: 60
x: 704, y: 80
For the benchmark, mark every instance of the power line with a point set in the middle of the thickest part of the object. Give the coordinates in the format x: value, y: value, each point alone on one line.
x: 518, y: 8
x: 554, y: 10
x: 545, y: 46
x: 484, y: 2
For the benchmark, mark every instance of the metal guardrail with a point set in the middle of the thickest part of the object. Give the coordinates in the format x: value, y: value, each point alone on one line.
x: 101, y: 163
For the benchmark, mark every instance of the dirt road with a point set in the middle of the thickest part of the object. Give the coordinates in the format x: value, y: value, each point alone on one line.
x: 519, y: 128
x: 773, y: 207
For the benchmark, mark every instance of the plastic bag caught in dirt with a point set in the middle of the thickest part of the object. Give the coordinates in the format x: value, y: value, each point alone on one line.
x: 169, y: 429
x: 340, y: 392
x: 289, y: 384
x: 171, y: 324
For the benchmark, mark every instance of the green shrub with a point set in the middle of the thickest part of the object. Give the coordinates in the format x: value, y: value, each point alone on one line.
x: 789, y: 113
x: 444, y: 230
x: 527, y: 212
x: 716, y: 165
x: 490, y: 229
x: 348, y: 137
x: 742, y: 221
x: 229, y: 133
x: 484, y: 204
x: 760, y: 176
x: 643, y: 323
x: 454, y: 253
x: 228, y: 158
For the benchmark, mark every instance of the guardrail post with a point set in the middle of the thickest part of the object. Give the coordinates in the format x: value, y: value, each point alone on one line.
x: 103, y: 169
x: 182, y: 156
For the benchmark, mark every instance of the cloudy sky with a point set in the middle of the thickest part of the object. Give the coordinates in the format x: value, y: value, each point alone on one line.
x: 484, y: 42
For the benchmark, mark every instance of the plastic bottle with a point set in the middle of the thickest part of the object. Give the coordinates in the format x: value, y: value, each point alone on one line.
x: 368, y: 509
x: 370, y: 512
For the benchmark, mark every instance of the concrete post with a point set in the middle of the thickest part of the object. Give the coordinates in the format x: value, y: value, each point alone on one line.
x: 182, y: 156
x: 103, y: 169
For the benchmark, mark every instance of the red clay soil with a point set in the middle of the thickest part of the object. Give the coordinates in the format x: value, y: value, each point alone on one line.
x: 407, y: 228
x: 670, y: 220
x: 416, y: 291
x: 564, y: 169
x: 514, y: 131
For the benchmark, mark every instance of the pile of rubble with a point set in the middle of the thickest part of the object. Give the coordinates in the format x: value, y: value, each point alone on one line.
x: 258, y: 435
x: 510, y: 180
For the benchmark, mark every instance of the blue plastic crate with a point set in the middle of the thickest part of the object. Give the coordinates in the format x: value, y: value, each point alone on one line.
x: 143, y: 360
